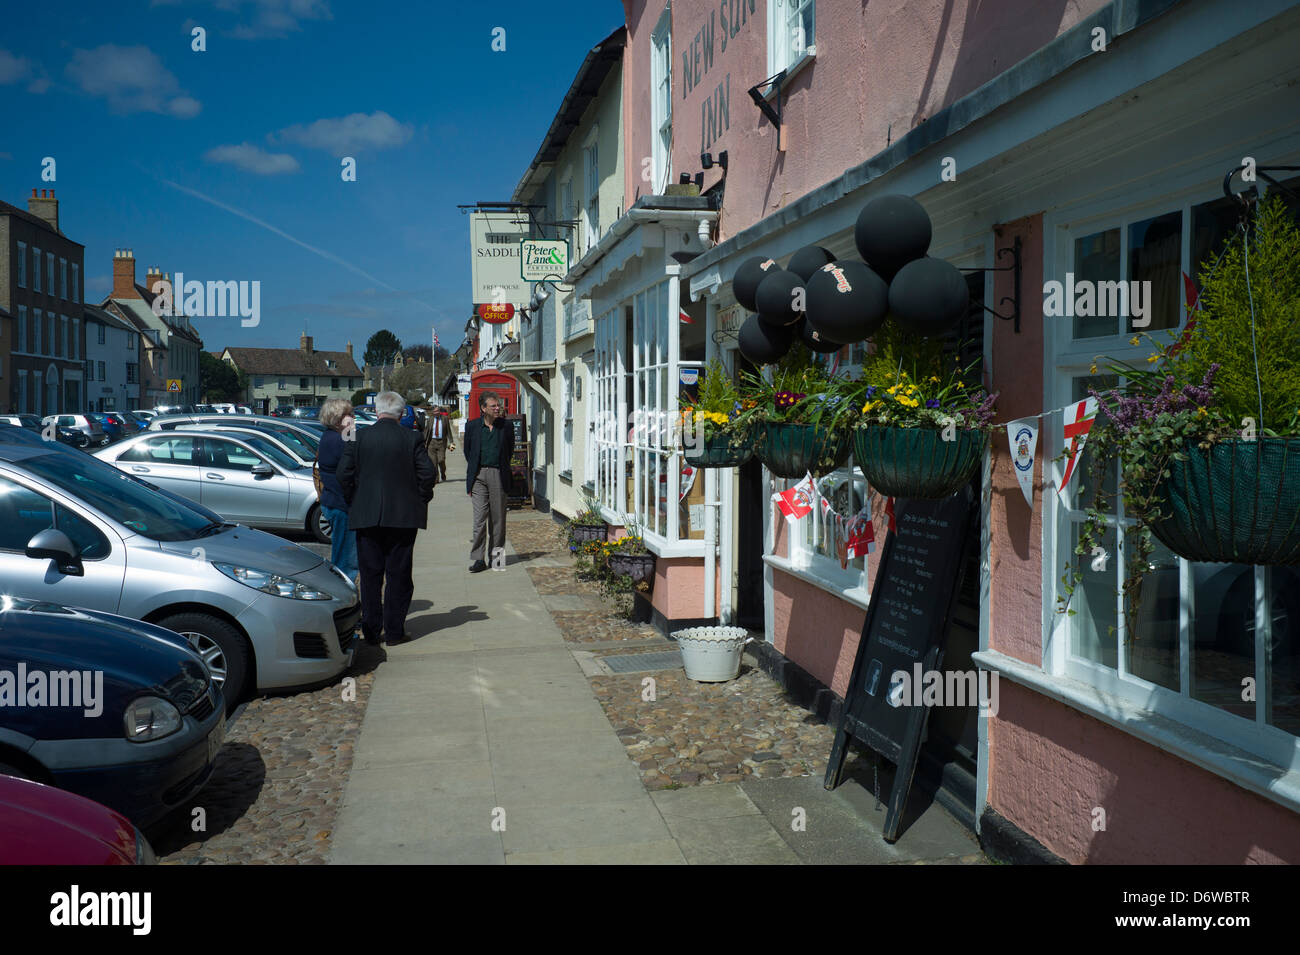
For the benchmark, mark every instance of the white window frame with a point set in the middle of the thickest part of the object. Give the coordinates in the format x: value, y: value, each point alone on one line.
x: 566, y: 404
x: 606, y: 468
x: 22, y: 265
x: 1065, y: 360
x: 591, y: 190
x: 36, y: 268
x: 661, y: 102
x: 783, y: 51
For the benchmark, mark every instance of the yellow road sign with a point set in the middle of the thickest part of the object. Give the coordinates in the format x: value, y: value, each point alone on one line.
x: 173, y: 384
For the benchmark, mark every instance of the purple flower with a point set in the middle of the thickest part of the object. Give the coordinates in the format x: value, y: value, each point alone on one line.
x: 932, y: 403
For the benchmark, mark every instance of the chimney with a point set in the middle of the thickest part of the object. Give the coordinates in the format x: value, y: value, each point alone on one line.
x: 350, y: 350
x: 124, y: 274
x: 45, y: 206
x: 305, y: 343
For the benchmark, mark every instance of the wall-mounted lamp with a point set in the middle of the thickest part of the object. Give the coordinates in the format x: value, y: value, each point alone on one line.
x: 706, y: 160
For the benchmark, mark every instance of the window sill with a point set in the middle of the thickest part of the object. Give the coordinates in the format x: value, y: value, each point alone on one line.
x: 566, y: 476
x: 805, y: 58
x: 1229, y: 762
x: 856, y: 595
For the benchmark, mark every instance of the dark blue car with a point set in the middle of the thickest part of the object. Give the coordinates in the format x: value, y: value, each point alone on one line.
x: 112, y: 428
x: 119, y: 711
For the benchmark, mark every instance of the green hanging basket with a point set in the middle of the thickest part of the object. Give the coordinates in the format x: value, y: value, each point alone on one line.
x: 793, y: 450
x: 1235, y: 502
x: 722, y: 449
x: 917, y: 462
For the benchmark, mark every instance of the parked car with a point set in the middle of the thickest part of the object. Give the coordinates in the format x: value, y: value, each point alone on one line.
x: 144, y: 414
x: 243, y: 477
x: 205, y: 409
x: 86, y: 424
x: 174, y: 409
x: 297, y: 445
x: 263, y: 613
x: 129, y: 423
x: 113, y: 428
x: 299, y: 431
x: 29, y: 421
x: 41, y: 825
x: 138, y: 724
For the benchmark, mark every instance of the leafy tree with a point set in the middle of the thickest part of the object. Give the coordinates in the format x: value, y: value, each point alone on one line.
x: 359, y: 397
x: 411, y: 379
x: 218, y: 381
x: 380, y: 347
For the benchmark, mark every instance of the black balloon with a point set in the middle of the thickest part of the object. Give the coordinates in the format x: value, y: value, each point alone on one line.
x: 816, y: 343
x: 763, y: 343
x: 846, y: 301
x: 744, y: 284
x: 890, y: 232
x: 928, y: 296
x: 780, y: 297
x: 808, y: 260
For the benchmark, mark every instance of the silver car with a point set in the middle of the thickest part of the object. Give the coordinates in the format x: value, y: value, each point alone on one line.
x: 243, y: 477
x: 295, y: 445
x: 304, y: 431
x: 87, y: 425
x: 262, y: 612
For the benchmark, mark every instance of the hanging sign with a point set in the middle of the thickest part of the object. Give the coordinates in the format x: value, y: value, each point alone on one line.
x: 1023, y: 435
x: 689, y: 376
x: 496, y: 314
x: 541, y: 259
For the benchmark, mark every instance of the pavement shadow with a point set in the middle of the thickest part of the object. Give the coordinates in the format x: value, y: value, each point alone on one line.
x: 231, y: 792
x: 528, y: 555
x: 431, y: 623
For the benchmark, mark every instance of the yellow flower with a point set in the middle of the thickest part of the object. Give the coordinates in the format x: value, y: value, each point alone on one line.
x: 934, y: 378
x: 1093, y: 369
x: 1201, y: 413
x: 1134, y: 340
x: 1152, y: 358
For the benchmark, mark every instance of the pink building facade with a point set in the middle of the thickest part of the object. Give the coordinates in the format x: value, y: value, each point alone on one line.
x: 1095, y: 137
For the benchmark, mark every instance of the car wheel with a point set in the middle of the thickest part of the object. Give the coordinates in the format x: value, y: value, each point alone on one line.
x: 222, y: 647
x: 318, y: 526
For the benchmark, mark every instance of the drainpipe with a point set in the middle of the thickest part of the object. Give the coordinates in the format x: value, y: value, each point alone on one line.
x: 710, y: 480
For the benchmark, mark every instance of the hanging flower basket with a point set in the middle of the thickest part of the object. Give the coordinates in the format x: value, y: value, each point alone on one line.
x: 586, y: 533
x: 640, y: 567
x: 793, y: 450
x: 1234, y: 502
x: 917, y: 462
x: 722, y: 449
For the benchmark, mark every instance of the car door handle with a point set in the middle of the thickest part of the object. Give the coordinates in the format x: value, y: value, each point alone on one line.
x: 139, y: 470
x: 215, y: 477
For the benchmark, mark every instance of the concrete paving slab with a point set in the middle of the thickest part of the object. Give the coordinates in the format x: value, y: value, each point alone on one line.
x: 663, y: 852
x: 543, y: 828
x: 720, y: 801
x: 733, y: 840
x: 371, y: 789
x: 602, y: 782
x: 462, y: 850
x: 395, y: 748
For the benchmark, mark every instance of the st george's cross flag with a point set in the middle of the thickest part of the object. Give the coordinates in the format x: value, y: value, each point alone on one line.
x: 797, y: 502
x: 1078, y: 422
x: 861, y: 535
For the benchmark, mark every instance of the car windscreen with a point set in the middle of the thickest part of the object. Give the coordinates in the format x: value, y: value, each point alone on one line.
x: 299, y: 443
x: 119, y: 497
x: 267, y: 449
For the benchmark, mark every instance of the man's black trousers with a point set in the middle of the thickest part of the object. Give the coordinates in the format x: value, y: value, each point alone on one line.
x: 384, y: 555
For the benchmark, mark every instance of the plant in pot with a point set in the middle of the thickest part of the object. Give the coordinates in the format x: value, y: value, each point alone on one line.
x: 585, y: 532
x: 714, y: 435
x: 924, y: 419
x: 628, y: 556
x: 800, y: 418
x: 1207, y: 436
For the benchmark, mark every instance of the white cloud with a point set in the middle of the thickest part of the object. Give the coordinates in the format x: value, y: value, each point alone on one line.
x: 349, y: 135
x: 264, y: 18
x: 13, y: 68
x: 254, y: 159
x: 132, y: 79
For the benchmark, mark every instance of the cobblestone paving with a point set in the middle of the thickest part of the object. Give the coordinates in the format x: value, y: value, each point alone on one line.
x: 280, y: 776
x: 691, y: 733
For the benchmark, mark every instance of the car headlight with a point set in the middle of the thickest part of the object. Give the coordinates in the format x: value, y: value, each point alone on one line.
x: 144, y: 854
x: 270, y: 583
x: 149, y: 717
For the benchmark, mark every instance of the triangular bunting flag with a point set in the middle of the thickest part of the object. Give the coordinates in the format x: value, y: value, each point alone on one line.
x: 796, y: 502
x: 1078, y: 422
x: 1023, y: 436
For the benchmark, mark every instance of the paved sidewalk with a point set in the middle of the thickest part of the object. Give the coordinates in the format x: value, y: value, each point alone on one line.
x: 483, y: 742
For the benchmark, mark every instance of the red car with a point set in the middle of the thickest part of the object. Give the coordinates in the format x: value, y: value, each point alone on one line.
x: 40, y: 825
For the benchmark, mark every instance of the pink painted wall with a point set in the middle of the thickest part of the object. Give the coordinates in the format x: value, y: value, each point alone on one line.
x: 1051, y: 765
x: 815, y: 630
x: 881, y: 69
x: 679, y: 588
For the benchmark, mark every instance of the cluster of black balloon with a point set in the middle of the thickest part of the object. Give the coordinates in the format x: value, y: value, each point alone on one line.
x: 845, y: 301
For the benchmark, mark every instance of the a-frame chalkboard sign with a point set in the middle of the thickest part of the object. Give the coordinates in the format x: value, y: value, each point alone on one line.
x: 916, y: 584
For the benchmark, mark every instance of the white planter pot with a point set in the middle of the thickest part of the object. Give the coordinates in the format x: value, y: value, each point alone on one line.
x: 712, y: 654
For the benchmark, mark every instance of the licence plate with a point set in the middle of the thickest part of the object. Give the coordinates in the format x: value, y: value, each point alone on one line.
x: 215, y: 739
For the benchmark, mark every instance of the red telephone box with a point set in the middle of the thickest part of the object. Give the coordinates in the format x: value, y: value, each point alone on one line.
x: 496, y: 383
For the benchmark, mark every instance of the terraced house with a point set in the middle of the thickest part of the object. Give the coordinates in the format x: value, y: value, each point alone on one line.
x: 295, y: 377
x: 42, y: 345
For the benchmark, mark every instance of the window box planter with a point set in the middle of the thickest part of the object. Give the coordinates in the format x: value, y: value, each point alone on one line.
x: 793, y: 450
x: 917, y: 462
x: 586, y: 533
x: 722, y: 449
x: 1235, y: 502
x: 640, y: 567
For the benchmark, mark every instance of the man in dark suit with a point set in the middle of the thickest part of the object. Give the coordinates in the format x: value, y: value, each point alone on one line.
x: 489, y: 445
x: 387, y: 480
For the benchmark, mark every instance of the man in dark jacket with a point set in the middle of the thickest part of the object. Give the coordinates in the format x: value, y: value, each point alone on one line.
x: 388, y: 481
x: 489, y: 445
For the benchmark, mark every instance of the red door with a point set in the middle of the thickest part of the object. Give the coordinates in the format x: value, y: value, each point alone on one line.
x: 496, y: 383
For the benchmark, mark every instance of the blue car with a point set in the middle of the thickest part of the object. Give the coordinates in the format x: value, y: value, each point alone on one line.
x: 119, y: 711
x: 113, y: 430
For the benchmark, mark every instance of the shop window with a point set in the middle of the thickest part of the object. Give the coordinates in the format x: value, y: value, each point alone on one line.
x: 1199, y: 629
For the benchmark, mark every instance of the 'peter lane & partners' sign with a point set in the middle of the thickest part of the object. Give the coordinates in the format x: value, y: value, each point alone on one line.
x: 540, y: 259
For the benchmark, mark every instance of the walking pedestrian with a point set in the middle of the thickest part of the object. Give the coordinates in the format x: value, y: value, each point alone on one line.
x: 489, y: 445
x: 388, y: 480
x: 437, y: 436
x: 336, y: 415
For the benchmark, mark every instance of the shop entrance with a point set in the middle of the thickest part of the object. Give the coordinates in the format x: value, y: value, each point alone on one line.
x: 751, y: 518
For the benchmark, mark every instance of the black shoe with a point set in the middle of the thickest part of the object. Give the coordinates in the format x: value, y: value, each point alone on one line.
x: 477, y: 567
x: 394, y: 641
x: 372, y: 641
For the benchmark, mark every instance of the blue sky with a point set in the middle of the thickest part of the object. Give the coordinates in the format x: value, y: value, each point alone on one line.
x: 169, y: 151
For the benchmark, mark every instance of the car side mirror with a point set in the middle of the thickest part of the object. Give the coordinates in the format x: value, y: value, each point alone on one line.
x: 262, y: 470
x: 53, y: 544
